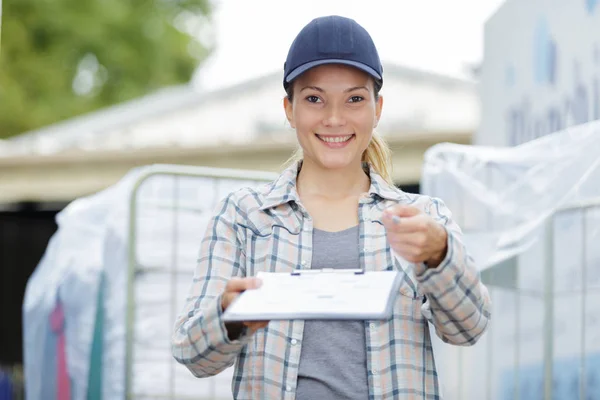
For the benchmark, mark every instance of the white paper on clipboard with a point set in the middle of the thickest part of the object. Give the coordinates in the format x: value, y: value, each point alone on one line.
x: 318, y: 294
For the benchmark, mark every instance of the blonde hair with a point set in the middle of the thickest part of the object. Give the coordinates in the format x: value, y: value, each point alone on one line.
x: 378, y: 155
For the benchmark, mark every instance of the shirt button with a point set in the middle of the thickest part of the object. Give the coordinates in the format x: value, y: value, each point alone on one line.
x: 374, y: 371
x: 372, y: 325
x: 288, y: 388
x: 304, y: 263
x: 294, y: 342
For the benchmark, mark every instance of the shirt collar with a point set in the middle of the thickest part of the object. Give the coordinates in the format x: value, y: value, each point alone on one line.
x: 283, y: 189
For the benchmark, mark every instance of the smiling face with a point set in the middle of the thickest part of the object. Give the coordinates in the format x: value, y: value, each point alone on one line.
x: 334, y: 110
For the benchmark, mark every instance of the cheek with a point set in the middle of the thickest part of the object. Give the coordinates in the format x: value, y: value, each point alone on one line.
x: 303, y: 129
x: 364, y: 124
x: 305, y: 121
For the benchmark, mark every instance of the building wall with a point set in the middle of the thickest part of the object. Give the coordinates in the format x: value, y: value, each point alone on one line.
x: 67, y: 176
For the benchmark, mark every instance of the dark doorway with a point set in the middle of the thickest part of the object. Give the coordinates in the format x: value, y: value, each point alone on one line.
x: 410, y: 188
x: 25, y: 230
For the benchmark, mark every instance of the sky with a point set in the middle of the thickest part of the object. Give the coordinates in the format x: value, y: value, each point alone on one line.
x: 252, y: 37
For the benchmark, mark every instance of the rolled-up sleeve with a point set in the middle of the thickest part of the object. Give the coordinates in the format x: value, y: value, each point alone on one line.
x: 457, y: 302
x: 200, y: 340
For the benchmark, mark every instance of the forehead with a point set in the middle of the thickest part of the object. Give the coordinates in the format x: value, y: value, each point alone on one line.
x: 334, y: 75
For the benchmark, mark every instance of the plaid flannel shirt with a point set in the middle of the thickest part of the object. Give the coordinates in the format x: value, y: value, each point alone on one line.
x: 267, y: 229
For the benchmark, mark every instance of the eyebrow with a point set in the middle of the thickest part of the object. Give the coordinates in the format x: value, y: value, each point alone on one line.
x: 316, y: 88
x: 352, y: 89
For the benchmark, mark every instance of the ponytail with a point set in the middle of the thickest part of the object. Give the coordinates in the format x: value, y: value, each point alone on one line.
x: 379, y: 156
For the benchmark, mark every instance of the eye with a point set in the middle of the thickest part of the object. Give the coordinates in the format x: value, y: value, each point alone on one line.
x: 356, y: 99
x: 313, y: 99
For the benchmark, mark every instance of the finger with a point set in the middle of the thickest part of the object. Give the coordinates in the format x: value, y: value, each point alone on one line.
x: 410, y: 253
x: 404, y: 225
x: 403, y: 211
x: 261, y: 324
x: 256, y: 325
x: 227, y: 298
x: 241, y: 284
x: 416, y: 239
x: 235, y: 286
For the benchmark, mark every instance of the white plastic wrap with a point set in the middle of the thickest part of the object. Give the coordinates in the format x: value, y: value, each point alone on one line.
x: 91, y: 243
x: 531, y: 219
x: 501, y: 196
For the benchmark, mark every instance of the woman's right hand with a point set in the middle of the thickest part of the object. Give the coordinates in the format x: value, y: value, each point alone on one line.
x: 234, y: 288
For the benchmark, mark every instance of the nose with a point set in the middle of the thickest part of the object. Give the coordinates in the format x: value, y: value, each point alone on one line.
x: 334, y: 116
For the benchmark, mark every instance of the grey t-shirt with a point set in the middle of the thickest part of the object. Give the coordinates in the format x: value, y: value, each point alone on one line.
x: 333, y: 359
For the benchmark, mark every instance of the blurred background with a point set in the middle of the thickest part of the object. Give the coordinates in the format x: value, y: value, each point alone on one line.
x: 122, y: 122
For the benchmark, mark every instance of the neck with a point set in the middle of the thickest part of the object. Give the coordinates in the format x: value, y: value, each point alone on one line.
x: 332, y: 183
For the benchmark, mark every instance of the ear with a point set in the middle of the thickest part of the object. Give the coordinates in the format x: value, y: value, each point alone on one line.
x: 289, y: 111
x: 378, y: 107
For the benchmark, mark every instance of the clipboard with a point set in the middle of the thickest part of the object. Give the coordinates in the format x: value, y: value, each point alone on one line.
x: 325, y: 294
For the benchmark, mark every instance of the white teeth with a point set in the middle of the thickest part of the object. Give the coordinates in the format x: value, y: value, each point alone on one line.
x: 337, y: 139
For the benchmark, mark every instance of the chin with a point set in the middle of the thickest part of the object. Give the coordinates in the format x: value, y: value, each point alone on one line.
x: 337, y: 162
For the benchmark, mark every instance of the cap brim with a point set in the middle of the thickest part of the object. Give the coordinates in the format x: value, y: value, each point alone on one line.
x: 305, y: 67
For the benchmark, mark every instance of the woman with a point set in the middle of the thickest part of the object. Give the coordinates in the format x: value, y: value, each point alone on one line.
x: 334, y: 207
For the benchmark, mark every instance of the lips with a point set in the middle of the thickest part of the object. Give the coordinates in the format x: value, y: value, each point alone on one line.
x: 335, y: 138
x: 336, y: 141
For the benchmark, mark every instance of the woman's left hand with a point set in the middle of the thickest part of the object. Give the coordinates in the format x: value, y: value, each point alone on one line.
x: 415, y: 236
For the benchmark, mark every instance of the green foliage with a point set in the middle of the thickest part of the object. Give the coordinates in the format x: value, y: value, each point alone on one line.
x: 62, y: 58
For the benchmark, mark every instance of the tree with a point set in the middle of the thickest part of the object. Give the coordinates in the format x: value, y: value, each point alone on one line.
x: 62, y: 58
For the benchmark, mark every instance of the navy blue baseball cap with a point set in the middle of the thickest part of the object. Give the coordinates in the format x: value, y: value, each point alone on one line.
x: 332, y: 40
